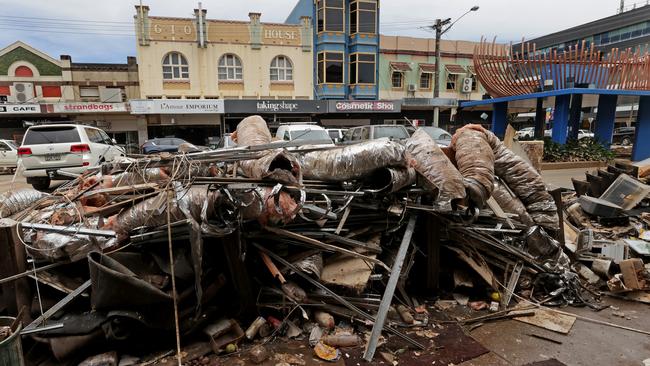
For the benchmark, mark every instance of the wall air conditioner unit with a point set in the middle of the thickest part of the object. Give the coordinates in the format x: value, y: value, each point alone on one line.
x: 467, y: 85
x: 412, y: 88
x: 22, y: 92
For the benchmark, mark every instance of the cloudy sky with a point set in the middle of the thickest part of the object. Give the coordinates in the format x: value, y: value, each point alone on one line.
x: 102, y: 31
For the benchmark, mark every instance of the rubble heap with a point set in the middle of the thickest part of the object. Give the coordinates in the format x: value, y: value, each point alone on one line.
x: 238, y: 247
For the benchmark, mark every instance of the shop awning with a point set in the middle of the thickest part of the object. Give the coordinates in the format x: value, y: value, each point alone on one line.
x: 428, y: 68
x: 400, y: 66
x: 455, y: 69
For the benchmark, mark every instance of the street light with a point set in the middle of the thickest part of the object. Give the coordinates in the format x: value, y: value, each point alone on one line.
x: 438, y: 26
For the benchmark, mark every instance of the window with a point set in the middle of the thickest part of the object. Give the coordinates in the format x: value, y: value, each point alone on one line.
x: 230, y: 67
x: 175, y: 67
x: 330, y: 15
x: 362, y: 68
x: 330, y: 67
x: 89, y: 93
x: 363, y: 16
x: 397, y: 79
x: 281, y: 69
x: 451, y: 81
x: 51, y: 91
x: 425, y: 80
x: 356, y: 134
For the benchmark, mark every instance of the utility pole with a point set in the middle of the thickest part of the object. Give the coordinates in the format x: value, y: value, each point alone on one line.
x: 436, y: 75
x: 622, y: 7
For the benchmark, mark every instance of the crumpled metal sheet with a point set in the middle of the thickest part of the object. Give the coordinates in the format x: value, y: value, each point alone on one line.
x: 352, y: 161
x: 431, y: 162
x: 475, y: 161
x: 54, y: 246
x: 12, y: 202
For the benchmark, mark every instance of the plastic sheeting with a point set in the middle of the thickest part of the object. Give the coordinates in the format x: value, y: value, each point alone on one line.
x: 12, y: 202
x: 475, y: 161
x: 524, y: 181
x: 431, y: 162
x: 352, y: 161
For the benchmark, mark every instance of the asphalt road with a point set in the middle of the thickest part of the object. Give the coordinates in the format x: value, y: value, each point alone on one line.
x: 7, y: 183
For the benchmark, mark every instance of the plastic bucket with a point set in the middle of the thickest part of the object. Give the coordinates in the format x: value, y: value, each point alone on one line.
x: 11, y: 349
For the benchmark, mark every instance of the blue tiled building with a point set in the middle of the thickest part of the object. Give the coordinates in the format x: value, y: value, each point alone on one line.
x: 346, y: 47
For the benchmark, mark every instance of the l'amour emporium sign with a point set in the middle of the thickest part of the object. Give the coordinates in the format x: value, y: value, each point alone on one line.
x: 177, y: 106
x: 360, y: 106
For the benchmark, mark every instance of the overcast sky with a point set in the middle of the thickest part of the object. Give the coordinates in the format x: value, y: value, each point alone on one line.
x: 102, y: 31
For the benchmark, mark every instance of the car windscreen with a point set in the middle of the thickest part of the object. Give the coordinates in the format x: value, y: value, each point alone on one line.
x: 310, y: 135
x: 396, y: 132
x: 51, y: 135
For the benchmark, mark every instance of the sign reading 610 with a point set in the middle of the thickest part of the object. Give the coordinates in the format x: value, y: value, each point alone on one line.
x: 187, y: 29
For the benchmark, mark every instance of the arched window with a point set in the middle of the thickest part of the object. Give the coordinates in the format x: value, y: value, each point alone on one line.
x: 281, y: 69
x: 24, y: 71
x: 230, y: 67
x: 175, y: 67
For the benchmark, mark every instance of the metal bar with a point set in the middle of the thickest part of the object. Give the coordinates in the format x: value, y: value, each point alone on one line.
x: 387, y: 299
x: 69, y: 229
x: 58, y: 306
x: 512, y: 283
x: 42, y: 329
x: 337, y: 297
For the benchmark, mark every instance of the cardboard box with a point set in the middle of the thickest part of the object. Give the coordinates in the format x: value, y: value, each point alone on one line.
x: 631, y: 270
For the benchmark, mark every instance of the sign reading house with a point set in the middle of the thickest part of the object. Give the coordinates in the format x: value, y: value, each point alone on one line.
x: 275, y: 106
x: 360, y: 106
x: 177, y: 106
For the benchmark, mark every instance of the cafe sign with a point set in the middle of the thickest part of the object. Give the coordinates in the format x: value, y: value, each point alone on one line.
x: 20, y: 108
x: 177, y: 106
x: 359, y: 106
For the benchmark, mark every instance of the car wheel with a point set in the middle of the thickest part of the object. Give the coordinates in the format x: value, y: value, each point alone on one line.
x: 626, y: 141
x: 41, y: 184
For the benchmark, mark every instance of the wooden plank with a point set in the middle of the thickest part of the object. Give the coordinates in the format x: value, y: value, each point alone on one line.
x: 550, y: 320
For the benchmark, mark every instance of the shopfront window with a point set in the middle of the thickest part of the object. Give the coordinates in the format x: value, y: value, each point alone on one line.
x: 363, y: 16
x: 362, y: 68
x: 175, y: 67
x: 281, y: 69
x: 397, y: 79
x: 330, y: 67
x: 330, y: 14
x: 230, y: 68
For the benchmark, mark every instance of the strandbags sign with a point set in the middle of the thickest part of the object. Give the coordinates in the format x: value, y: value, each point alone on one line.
x: 365, y: 106
x: 176, y: 106
x: 86, y: 107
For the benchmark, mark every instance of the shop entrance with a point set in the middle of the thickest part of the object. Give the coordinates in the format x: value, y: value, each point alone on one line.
x: 196, y: 134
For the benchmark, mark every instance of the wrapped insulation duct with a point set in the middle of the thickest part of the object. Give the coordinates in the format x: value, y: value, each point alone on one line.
x: 475, y: 161
x: 12, y: 202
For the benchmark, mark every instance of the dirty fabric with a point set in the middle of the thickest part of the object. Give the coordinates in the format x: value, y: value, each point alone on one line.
x: 430, y: 162
x: 353, y: 161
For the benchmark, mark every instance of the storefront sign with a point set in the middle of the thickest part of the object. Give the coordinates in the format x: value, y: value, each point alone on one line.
x: 87, y: 107
x: 20, y: 108
x: 177, y: 106
x: 279, y: 34
x: 358, y: 106
x: 274, y: 106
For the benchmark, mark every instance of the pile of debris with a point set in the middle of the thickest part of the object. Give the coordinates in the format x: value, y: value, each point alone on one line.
x: 239, y: 247
x: 608, y: 229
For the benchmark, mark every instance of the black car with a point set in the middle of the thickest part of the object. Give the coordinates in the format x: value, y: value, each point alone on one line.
x: 623, y: 135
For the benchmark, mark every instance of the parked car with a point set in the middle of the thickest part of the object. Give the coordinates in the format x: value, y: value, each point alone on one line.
x: 442, y: 137
x: 336, y: 134
x: 624, y: 135
x: 8, y: 155
x: 310, y: 133
x: 581, y: 134
x: 165, y: 144
x: 372, y: 132
x: 69, y: 148
x: 526, y: 133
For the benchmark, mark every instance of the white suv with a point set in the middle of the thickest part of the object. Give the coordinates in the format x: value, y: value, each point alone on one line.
x: 50, y: 151
x: 308, y: 132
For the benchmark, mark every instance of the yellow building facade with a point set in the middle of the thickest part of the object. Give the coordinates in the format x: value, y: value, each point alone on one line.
x: 199, y: 58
